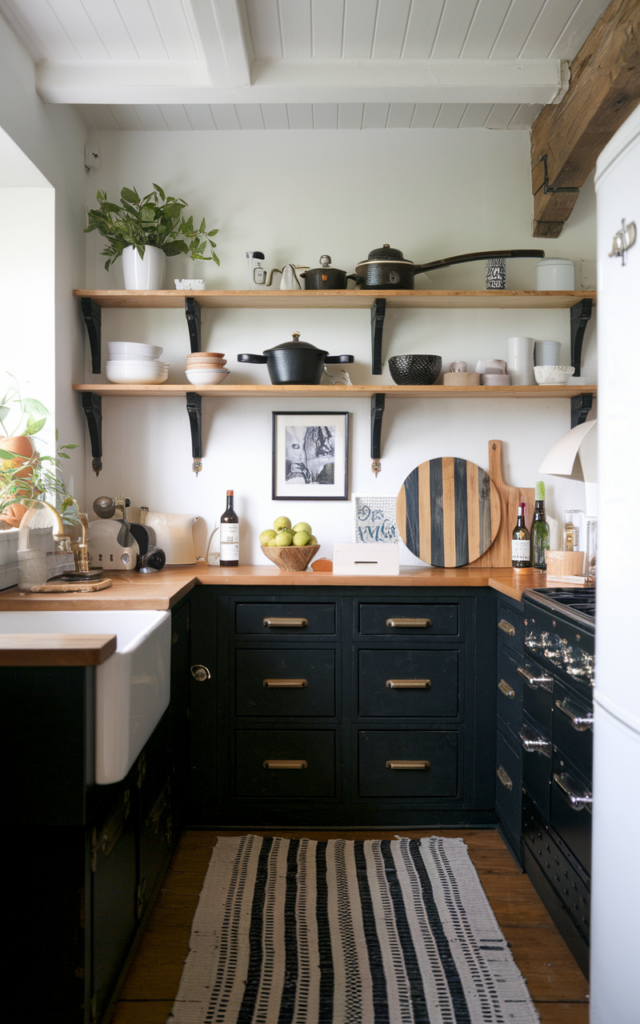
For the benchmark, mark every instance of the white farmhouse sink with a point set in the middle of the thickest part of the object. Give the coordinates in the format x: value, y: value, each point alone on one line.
x: 132, y: 685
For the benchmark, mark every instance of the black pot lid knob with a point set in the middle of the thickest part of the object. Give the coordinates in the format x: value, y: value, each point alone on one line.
x: 296, y: 335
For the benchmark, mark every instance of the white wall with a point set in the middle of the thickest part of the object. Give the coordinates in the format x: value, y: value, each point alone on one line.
x: 53, y: 139
x: 296, y: 195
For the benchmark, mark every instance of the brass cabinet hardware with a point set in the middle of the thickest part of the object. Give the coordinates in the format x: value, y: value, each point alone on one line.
x: 284, y: 764
x: 577, y: 798
x: 506, y: 627
x: 293, y: 623
x: 409, y: 684
x: 292, y: 684
x: 415, y: 765
x: 508, y: 691
x: 543, y: 682
x: 504, y: 778
x: 200, y: 673
x: 396, y: 623
x: 579, y: 721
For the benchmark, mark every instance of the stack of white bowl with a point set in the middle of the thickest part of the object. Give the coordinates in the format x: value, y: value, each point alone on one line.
x: 206, y: 368
x: 132, y: 362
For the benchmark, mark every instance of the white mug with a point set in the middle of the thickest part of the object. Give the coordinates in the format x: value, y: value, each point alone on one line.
x: 547, y: 353
x: 520, y: 360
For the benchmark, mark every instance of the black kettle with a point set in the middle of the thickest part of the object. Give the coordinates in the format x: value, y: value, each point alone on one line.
x: 294, y: 362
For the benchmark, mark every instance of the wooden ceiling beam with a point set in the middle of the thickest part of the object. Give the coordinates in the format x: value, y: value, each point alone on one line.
x: 604, y: 90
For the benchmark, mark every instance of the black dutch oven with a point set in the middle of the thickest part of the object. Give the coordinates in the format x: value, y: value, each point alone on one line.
x: 294, y: 362
x: 387, y: 267
x: 325, y: 276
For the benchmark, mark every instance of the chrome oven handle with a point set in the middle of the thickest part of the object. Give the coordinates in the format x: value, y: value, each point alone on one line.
x: 577, y: 798
x: 543, y: 682
x: 533, y: 742
x: 578, y: 721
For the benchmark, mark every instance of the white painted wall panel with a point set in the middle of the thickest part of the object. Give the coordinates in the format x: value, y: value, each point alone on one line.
x: 295, y: 22
x: 517, y: 25
x: 400, y: 115
x: 375, y: 115
x: 41, y: 16
x: 325, y: 115
x: 151, y: 117
x: 275, y: 116
x: 453, y: 29
x: 127, y: 118
x: 264, y: 23
x: 24, y: 31
x: 102, y: 119
x: 391, y: 27
x: 475, y: 115
x: 79, y: 28
x: 327, y: 23
x: 174, y: 29
x: 300, y: 115
x: 359, y: 26
x: 143, y: 29
x: 425, y: 115
x: 450, y: 115
x: 176, y: 117
x: 350, y: 115
x: 226, y: 117
x: 112, y: 30
x: 200, y: 117
x: 580, y: 25
x: 501, y: 115
x: 524, y: 117
x: 250, y: 116
x: 424, y: 18
x: 487, y: 22
x: 549, y: 26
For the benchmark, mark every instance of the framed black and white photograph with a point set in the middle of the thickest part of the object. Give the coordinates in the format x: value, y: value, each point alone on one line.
x: 310, y: 456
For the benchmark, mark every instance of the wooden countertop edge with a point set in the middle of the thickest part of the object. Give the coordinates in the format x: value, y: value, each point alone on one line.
x: 30, y: 650
x: 161, y: 592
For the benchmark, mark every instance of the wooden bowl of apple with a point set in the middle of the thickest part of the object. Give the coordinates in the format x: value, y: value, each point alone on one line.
x: 291, y: 548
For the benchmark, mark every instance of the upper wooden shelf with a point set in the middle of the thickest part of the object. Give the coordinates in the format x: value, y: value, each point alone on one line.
x: 349, y: 299
x: 337, y: 390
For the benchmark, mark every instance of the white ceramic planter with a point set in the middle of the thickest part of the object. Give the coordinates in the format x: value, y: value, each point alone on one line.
x: 146, y: 274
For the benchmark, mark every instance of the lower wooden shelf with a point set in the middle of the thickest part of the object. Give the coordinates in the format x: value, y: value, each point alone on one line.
x: 334, y: 390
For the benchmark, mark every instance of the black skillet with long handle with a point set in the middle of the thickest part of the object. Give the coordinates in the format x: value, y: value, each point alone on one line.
x: 387, y: 267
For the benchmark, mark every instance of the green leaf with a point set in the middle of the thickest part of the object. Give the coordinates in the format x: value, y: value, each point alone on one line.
x: 69, y: 446
x: 7, y: 455
x: 159, y: 191
x: 62, y: 455
x: 130, y: 195
x: 32, y: 405
x: 34, y: 427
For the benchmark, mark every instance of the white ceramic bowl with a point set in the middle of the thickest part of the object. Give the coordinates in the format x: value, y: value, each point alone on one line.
x: 553, y: 374
x: 206, y: 376
x: 496, y: 380
x: 140, y: 372
x: 133, y: 350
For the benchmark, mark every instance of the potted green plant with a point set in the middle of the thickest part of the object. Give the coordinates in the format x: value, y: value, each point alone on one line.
x: 144, y: 231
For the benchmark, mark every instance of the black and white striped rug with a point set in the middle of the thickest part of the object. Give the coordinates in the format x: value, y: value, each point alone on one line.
x: 294, y: 931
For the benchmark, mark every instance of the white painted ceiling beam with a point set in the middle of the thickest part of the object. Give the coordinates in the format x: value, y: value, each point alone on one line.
x: 290, y: 81
x: 225, y: 38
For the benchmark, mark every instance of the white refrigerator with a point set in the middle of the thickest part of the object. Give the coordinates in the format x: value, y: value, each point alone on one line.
x: 615, y: 908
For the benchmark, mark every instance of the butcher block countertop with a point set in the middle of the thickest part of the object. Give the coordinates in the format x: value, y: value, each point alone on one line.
x: 162, y: 590
x: 29, y: 650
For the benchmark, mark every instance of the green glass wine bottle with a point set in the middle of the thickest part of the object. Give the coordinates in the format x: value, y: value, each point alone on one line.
x: 539, y: 531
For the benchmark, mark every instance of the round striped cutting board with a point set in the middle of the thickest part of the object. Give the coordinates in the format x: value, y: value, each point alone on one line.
x: 448, y: 512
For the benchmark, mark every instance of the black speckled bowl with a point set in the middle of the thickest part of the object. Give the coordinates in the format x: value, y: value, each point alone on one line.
x: 415, y: 369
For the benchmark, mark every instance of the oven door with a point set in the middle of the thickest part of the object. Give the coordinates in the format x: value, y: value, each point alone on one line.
x: 570, y: 811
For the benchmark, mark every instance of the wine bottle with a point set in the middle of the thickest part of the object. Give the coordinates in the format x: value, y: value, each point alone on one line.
x: 229, y: 534
x: 539, y: 531
x: 521, y: 542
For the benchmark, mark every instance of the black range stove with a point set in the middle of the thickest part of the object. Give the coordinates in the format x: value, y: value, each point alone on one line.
x: 559, y: 633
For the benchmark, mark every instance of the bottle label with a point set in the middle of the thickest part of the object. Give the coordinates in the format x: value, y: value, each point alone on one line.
x: 229, y: 542
x: 520, y: 550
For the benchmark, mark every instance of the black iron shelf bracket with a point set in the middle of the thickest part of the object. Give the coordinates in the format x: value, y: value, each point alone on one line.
x: 580, y: 407
x: 92, y: 316
x: 92, y: 408
x: 194, y: 411
x: 377, y: 412
x: 378, y: 310
x: 553, y: 189
x: 192, y: 313
x: 580, y: 317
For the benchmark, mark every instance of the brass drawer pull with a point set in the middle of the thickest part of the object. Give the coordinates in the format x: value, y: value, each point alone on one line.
x: 409, y: 684
x: 284, y: 764
x: 508, y: 691
x: 419, y: 765
x: 408, y: 623
x: 292, y: 684
x: 293, y: 623
x: 506, y: 627
x: 504, y: 778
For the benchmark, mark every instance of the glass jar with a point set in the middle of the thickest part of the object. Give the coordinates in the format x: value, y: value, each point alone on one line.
x: 571, y: 534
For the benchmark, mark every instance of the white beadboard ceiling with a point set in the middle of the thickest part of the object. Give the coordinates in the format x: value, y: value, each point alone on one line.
x: 206, y: 65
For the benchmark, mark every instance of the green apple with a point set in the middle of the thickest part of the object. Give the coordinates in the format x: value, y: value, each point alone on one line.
x: 301, y: 538
x: 284, y: 539
x: 273, y: 543
x: 266, y: 536
x: 312, y: 540
x: 303, y: 528
x: 282, y: 523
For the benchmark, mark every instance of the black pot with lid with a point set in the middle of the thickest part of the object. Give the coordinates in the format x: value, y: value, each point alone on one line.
x: 325, y: 276
x: 294, y: 362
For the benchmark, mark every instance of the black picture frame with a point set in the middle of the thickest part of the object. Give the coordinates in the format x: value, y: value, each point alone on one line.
x: 303, y: 486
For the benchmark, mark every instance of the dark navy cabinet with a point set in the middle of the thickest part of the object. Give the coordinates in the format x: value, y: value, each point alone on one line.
x: 343, y: 706
x: 509, y: 697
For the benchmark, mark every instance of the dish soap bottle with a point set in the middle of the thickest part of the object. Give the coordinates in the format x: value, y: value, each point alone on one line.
x: 229, y: 535
x: 521, y: 542
x: 539, y: 531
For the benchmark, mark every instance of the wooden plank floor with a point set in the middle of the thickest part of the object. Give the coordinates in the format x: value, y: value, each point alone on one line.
x: 555, y: 982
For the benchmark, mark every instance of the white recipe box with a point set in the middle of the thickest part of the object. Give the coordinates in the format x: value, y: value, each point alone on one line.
x: 366, y: 560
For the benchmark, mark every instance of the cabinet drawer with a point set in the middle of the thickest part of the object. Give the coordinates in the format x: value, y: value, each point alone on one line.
x: 257, y: 749
x: 420, y: 684
x: 509, y: 788
x: 441, y: 619
x: 296, y: 619
x: 571, y: 820
x: 509, y: 685
x: 571, y: 733
x: 511, y: 627
x: 278, y: 681
x: 377, y: 751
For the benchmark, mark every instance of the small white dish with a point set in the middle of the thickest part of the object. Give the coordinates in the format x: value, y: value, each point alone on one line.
x: 132, y: 350
x: 189, y: 284
x: 553, y: 374
x: 206, y: 376
x: 496, y: 380
x: 141, y: 372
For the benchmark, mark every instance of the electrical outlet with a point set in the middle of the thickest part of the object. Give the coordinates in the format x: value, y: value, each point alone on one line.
x: 91, y: 157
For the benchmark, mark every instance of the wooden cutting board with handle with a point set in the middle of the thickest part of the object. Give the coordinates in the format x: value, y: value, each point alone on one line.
x: 448, y: 512
x: 499, y: 554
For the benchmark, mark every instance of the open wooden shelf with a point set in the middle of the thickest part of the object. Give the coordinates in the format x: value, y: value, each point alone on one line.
x: 338, y: 299
x: 335, y: 390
